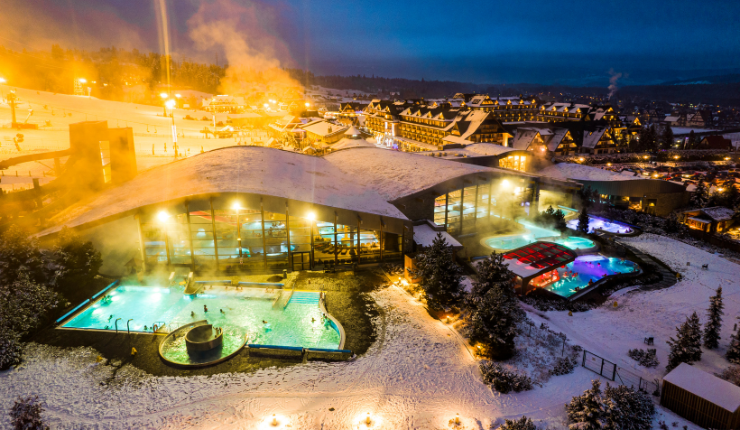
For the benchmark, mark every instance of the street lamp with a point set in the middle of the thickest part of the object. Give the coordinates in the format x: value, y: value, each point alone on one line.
x: 164, y: 97
x: 171, y: 103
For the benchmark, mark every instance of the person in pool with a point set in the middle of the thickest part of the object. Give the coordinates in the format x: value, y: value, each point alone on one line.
x: 205, y: 308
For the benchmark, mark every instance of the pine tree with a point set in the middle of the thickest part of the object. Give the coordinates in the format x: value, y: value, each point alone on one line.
x: 671, y: 224
x: 691, y: 143
x: 494, y: 308
x: 667, y: 138
x: 731, y: 194
x: 583, y: 221
x: 587, y: 410
x: 700, y: 197
x: 714, y: 324
x: 441, y: 277
x: 522, y: 423
x: 733, y: 352
x: 686, y: 347
x: 627, y: 409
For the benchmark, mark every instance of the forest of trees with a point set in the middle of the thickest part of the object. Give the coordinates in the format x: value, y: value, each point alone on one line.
x: 55, y: 70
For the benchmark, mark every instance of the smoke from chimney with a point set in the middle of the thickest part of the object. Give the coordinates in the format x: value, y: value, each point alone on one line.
x: 613, y: 82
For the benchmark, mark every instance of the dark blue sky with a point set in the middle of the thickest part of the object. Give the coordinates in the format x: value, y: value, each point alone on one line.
x: 573, y: 42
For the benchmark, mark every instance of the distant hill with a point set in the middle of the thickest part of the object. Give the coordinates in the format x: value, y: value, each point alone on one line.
x: 718, y: 79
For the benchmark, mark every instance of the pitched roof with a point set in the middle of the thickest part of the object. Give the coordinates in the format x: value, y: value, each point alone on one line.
x: 719, y: 213
x: 324, y: 128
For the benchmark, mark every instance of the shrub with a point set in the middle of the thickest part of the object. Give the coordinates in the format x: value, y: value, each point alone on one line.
x: 617, y: 408
x: 522, y: 423
x: 26, y: 414
x: 503, y: 380
x: 645, y: 358
x: 731, y: 374
x: 564, y: 366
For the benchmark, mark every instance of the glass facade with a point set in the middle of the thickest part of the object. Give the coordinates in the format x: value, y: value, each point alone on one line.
x: 461, y: 210
x: 250, y: 238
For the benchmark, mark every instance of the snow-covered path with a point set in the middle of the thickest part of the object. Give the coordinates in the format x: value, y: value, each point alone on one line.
x: 416, y: 376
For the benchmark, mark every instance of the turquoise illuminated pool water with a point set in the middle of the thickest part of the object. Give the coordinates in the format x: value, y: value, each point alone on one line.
x: 535, y: 233
x: 251, y: 310
x: 588, y: 268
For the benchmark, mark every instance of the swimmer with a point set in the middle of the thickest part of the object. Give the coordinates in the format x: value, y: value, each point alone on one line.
x: 313, y: 319
x: 110, y: 317
x: 222, y: 311
x: 264, y: 322
x: 192, y: 314
x: 205, y: 308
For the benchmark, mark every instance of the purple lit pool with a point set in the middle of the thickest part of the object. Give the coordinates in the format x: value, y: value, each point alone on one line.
x: 596, y: 223
x: 588, y: 268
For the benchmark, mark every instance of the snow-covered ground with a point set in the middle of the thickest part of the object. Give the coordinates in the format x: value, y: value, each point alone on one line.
x: 54, y: 112
x: 418, y: 375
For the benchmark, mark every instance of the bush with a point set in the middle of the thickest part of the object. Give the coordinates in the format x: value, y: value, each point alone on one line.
x: 503, y: 380
x: 617, y: 408
x: 522, y: 423
x: 26, y: 414
x: 645, y: 358
x: 10, y: 348
x: 564, y: 366
x: 731, y: 374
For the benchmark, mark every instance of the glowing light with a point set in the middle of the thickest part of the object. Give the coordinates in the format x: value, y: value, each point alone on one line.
x: 236, y: 206
x: 581, y: 159
x: 311, y: 216
x: 2, y: 80
x: 720, y: 189
x: 275, y: 422
x: 163, y: 216
x: 675, y: 157
x: 164, y: 95
x: 727, y: 158
x: 609, y: 164
x: 308, y: 104
x: 505, y: 183
x: 266, y: 105
x: 82, y: 80
x: 178, y: 95
x: 170, y: 103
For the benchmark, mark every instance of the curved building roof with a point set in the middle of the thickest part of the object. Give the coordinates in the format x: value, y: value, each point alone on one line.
x: 236, y: 169
x: 399, y: 174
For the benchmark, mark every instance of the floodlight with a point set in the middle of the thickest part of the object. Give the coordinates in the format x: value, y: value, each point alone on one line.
x: 171, y: 103
x: 163, y: 216
x: 164, y: 95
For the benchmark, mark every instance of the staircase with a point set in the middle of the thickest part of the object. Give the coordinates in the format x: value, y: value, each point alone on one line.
x: 304, y: 298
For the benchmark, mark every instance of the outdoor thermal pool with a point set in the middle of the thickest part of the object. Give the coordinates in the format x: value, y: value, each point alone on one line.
x: 300, y: 323
x: 535, y: 233
x: 588, y: 268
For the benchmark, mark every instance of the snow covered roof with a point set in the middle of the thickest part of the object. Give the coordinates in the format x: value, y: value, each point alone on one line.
x: 591, y: 138
x: 705, y: 385
x: 487, y: 149
x: 584, y: 173
x: 237, y: 169
x: 324, y: 128
x: 424, y: 235
x: 537, y: 258
x: 719, y: 213
x: 352, y: 143
x: 398, y: 174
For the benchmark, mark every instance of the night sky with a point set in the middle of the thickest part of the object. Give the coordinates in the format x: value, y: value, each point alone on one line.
x: 573, y: 42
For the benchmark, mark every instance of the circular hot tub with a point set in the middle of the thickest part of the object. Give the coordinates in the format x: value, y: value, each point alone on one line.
x: 203, y: 338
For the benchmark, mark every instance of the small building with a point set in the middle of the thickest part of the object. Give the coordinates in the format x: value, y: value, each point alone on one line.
x: 715, y: 142
x: 701, y: 397
x: 710, y: 220
x: 323, y: 132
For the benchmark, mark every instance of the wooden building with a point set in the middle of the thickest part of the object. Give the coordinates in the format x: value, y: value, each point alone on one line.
x: 701, y: 397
